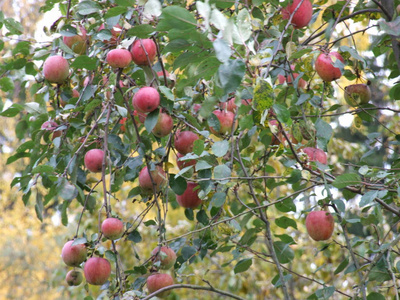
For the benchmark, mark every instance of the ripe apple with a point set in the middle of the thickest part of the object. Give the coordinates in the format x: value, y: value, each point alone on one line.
x: 143, y: 52
x: 302, y: 16
x: 316, y: 154
x: 158, y: 175
x: 324, y: 66
x: 146, y: 99
x: 165, y: 255
x: 163, y: 126
x: 190, y: 198
x: 357, y: 94
x: 184, y: 140
x: 94, y: 160
x: 97, y: 270
x: 73, y: 255
x: 282, y: 79
x: 77, y: 42
x: 74, y: 278
x: 231, y: 106
x: 184, y: 163
x: 51, y: 126
x: 112, y: 228
x: 56, y: 69
x: 158, y: 281
x: 226, y: 120
x: 119, y: 58
x: 320, y: 225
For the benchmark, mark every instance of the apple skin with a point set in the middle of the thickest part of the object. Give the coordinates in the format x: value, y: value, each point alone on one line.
x: 165, y: 255
x: 112, y: 228
x: 115, y: 32
x: 74, y: 255
x: 94, y: 160
x: 140, y: 116
x: 231, y: 106
x: 159, y: 178
x: 357, y: 94
x: 226, y: 120
x: 138, y: 52
x: 158, y: 281
x: 184, y: 163
x: 146, y: 99
x: 56, y: 69
x: 320, y: 225
x: 324, y: 66
x: 282, y: 79
x: 77, y: 42
x: 119, y: 58
x: 97, y: 270
x: 184, y: 140
x: 302, y: 16
x: 163, y: 126
x: 51, y: 126
x: 315, y: 154
x: 74, y: 278
x: 190, y: 198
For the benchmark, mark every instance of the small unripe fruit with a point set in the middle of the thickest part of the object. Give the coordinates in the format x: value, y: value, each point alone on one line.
x: 324, y: 66
x: 139, y: 49
x: 166, y: 256
x: 226, y: 120
x: 146, y: 99
x: 73, y: 255
x: 184, y: 140
x: 190, y: 198
x: 357, y: 94
x: 97, y: 270
x: 112, y: 228
x: 56, y: 69
x: 158, y: 281
x: 119, y: 58
x: 320, y: 225
x: 303, y: 14
x: 94, y: 160
x: 158, y: 175
x: 74, y: 278
x: 163, y: 126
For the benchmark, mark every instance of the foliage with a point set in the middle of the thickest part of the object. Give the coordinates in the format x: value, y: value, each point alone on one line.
x: 247, y: 239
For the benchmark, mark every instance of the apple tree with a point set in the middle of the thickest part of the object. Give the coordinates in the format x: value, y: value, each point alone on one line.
x: 240, y: 149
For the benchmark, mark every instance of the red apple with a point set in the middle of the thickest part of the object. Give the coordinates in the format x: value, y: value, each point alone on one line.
x: 357, y: 94
x: 122, y: 122
x: 324, y: 66
x: 163, y: 126
x: 320, y: 225
x: 94, y: 160
x: 119, y: 58
x: 143, y: 52
x: 51, y: 126
x: 231, y: 106
x: 75, y: 93
x: 190, y: 198
x: 97, y: 270
x: 115, y: 32
x: 184, y: 140
x: 315, y: 154
x: 165, y: 255
x: 112, y: 228
x: 77, y: 42
x: 302, y: 16
x: 158, y: 175
x: 226, y: 120
x: 74, y: 278
x: 56, y: 69
x: 282, y: 79
x: 140, y: 116
x: 158, y: 281
x: 73, y: 255
x: 184, y: 163
x: 196, y: 108
x: 146, y: 99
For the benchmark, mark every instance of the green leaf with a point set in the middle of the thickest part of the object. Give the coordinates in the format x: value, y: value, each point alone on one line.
x: 6, y: 84
x: 176, y: 17
x: 283, y: 251
x: 346, y: 180
x: 222, y: 171
x: 244, y: 30
x: 324, y: 132
x: 88, y: 7
x: 85, y: 62
x: 300, y: 53
x: 12, y: 111
x: 220, y: 148
x: 222, y: 50
x: 151, y: 120
x: 67, y: 191
x: 282, y: 113
x: 115, y: 11
x: 198, y: 147
x: 178, y: 185
x: 64, y: 215
x: 375, y: 296
x: 243, y: 265
x: 341, y: 266
x: 285, y: 222
x: 141, y: 31
x: 39, y: 207
x: 263, y: 96
x: 134, y: 236
x: 368, y: 197
x: 167, y: 92
x: 13, y: 26
x: 325, y: 293
x: 218, y: 199
x: 202, y: 165
x: 391, y: 28
x: 202, y: 217
x: 43, y: 169
x: 230, y: 75
x: 188, y: 252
